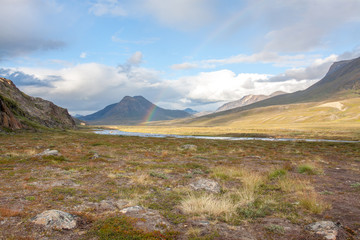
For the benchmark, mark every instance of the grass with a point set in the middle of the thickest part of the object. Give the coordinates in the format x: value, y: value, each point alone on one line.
x: 305, y: 120
x: 273, y: 228
x: 208, y: 204
x: 227, y: 173
x: 122, y: 228
x: 312, y: 203
x: 258, y: 180
x: 8, y: 212
x: 277, y: 173
x: 308, y: 169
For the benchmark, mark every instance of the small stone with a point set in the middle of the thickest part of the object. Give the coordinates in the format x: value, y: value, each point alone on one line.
x: 206, y: 184
x: 107, y: 206
x: 95, y: 156
x: 120, y: 204
x: 49, y: 152
x: 150, y: 220
x: 327, y: 229
x: 131, y: 209
x: 190, y: 147
x: 55, y: 219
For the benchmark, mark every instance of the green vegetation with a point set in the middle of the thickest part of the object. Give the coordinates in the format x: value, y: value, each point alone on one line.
x: 259, y: 180
x: 122, y: 228
x: 307, y: 169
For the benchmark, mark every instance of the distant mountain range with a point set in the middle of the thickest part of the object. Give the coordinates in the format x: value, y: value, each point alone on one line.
x: 132, y: 110
x: 246, y: 100
x: 341, y: 82
x: 18, y: 110
x: 190, y: 111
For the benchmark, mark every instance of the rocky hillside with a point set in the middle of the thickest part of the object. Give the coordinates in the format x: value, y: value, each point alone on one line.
x: 132, y: 110
x: 341, y: 82
x: 246, y: 100
x: 18, y: 110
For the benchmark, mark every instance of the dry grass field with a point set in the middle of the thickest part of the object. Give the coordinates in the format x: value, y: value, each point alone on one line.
x: 327, y: 120
x: 268, y: 190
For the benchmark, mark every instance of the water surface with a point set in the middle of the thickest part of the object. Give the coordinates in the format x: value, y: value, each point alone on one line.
x: 138, y: 134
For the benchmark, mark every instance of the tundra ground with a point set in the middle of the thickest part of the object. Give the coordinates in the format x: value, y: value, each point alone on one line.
x: 270, y: 190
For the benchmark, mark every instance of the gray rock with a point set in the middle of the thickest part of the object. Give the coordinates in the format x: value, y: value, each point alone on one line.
x: 131, y: 209
x: 95, y: 156
x: 150, y: 220
x: 206, y: 184
x: 49, y: 152
x: 55, y: 219
x: 190, y: 147
x: 120, y: 204
x: 107, y: 205
x: 327, y: 229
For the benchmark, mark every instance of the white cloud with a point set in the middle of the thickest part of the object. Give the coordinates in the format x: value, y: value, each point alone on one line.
x: 261, y: 57
x: 184, y: 66
x: 136, y: 58
x: 314, y: 71
x: 90, y: 86
x: 214, y: 86
x: 107, y: 7
x: 83, y: 55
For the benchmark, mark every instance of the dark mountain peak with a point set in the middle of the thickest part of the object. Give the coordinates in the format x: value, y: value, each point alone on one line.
x: 133, y: 110
x: 190, y: 111
x: 337, y: 65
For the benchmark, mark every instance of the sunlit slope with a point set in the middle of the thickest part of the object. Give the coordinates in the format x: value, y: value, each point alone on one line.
x: 345, y: 111
x: 341, y: 82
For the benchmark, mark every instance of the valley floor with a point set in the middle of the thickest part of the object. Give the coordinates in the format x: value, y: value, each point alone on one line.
x: 183, y: 188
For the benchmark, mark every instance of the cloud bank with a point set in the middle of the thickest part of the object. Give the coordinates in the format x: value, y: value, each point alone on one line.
x: 88, y: 87
x: 24, y: 29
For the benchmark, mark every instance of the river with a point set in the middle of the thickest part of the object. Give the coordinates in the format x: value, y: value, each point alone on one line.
x: 137, y: 134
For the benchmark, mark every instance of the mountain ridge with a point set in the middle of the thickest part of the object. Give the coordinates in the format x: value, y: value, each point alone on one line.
x: 132, y: 110
x: 247, y: 100
x: 19, y: 111
x: 341, y: 81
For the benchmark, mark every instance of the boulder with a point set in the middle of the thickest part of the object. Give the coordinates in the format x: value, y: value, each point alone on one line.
x: 149, y: 220
x: 55, y: 219
x: 49, y: 152
x: 327, y: 229
x: 207, y: 185
x: 190, y: 147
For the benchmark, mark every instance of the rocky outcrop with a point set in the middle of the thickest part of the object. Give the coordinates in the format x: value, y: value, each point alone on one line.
x: 207, y: 185
x: 327, y: 229
x: 7, y: 118
x: 151, y: 220
x: 49, y: 152
x: 55, y: 219
x: 18, y: 110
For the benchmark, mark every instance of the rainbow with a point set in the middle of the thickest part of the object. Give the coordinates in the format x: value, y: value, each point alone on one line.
x: 214, y: 34
x: 149, y: 114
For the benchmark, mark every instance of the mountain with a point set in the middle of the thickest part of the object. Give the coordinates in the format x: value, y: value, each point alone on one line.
x: 246, y: 100
x: 341, y: 82
x: 190, y: 111
x: 132, y: 110
x: 18, y: 110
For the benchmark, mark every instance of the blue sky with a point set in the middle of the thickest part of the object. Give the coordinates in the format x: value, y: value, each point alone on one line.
x: 84, y: 55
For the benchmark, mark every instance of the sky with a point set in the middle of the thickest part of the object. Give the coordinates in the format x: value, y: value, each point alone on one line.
x: 86, y: 54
